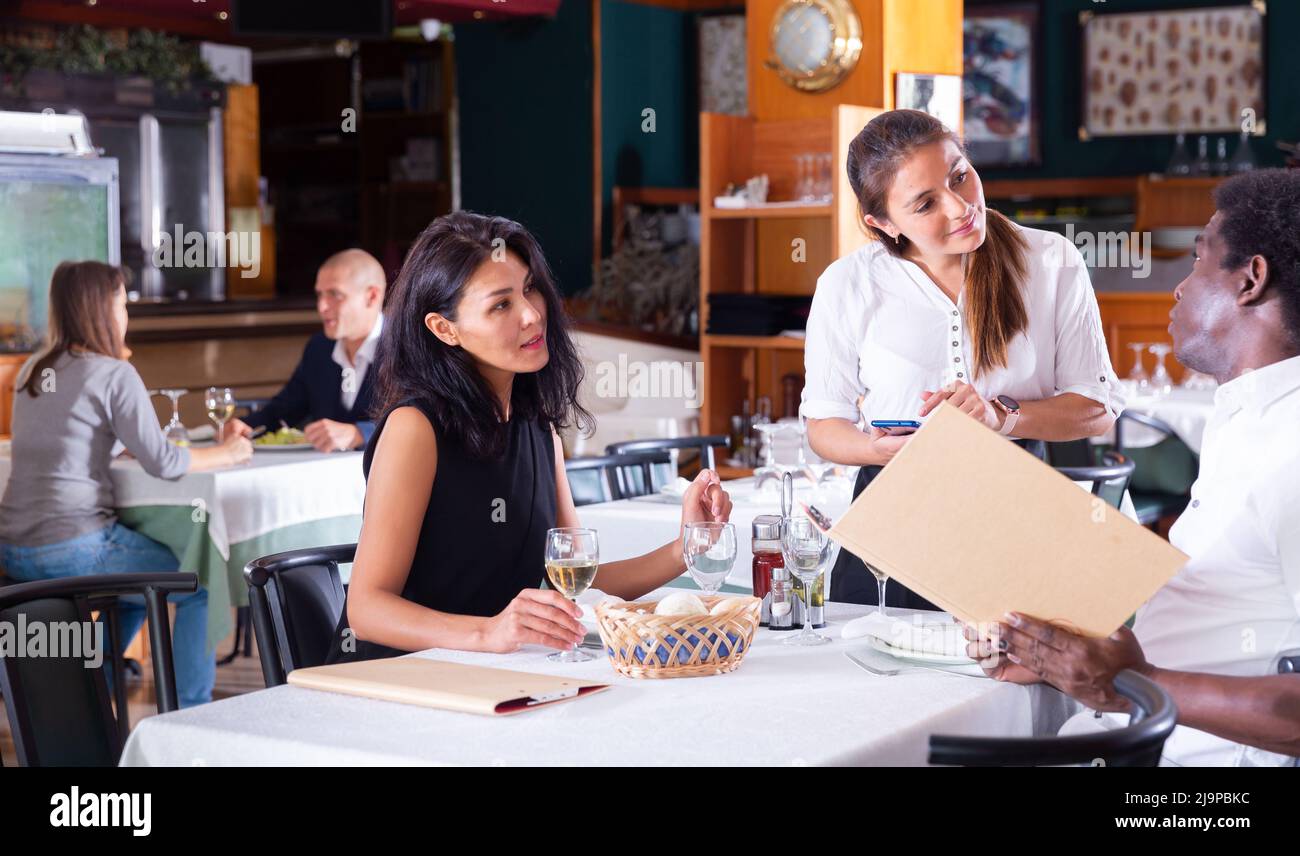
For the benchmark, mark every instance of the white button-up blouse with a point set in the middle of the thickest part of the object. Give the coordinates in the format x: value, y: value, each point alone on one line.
x: 882, y: 332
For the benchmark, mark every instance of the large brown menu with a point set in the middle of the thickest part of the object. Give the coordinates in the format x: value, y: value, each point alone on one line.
x: 981, y: 527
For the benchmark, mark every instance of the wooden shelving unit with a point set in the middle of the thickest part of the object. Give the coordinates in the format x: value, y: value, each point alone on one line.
x: 332, y: 186
x: 754, y: 251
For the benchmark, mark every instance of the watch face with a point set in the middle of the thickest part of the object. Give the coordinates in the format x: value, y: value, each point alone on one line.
x: 1009, y: 403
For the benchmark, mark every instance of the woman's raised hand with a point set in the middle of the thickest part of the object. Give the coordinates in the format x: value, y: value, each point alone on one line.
x: 706, y: 500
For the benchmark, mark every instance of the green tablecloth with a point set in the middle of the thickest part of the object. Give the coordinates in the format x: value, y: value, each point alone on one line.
x: 175, y: 527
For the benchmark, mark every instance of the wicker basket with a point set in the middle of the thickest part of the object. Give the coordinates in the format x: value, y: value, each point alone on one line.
x: 641, y: 644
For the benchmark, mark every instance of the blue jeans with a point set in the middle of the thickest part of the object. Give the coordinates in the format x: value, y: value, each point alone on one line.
x: 117, y: 549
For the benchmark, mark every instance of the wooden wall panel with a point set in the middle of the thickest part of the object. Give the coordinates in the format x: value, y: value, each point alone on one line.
x: 241, y: 150
x: 772, y: 98
x: 847, y: 229
x: 922, y: 36
x: 776, y: 266
x: 9, y: 366
x: 1137, y: 317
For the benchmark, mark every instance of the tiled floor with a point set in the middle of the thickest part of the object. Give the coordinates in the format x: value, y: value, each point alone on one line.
x: 241, y: 676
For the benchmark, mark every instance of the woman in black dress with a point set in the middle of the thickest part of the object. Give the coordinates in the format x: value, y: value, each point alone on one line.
x: 465, y: 471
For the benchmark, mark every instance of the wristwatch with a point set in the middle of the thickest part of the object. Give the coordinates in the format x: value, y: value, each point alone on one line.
x: 1011, y: 408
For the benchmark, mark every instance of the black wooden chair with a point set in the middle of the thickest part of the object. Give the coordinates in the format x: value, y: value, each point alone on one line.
x: 59, y: 710
x: 1138, y: 744
x: 703, y: 444
x: 1110, y: 479
x: 618, y: 476
x: 1164, y: 471
x: 296, y: 599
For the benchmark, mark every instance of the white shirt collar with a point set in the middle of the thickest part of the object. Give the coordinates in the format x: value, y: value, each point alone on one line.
x: 1256, y: 389
x: 366, y: 353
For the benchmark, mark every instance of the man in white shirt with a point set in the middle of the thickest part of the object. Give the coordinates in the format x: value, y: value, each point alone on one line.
x: 329, y: 392
x: 1214, y: 636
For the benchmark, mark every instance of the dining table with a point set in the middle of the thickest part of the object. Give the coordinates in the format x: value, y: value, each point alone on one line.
x: 217, y: 521
x: 784, y: 706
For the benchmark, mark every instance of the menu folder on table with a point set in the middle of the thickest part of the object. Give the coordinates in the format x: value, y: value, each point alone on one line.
x: 447, y: 686
x: 980, y: 527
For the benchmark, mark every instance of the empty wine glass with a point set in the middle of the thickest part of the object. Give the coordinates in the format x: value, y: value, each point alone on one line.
x: 709, y: 549
x: 825, y: 177
x: 220, y: 402
x: 882, y: 582
x: 768, y: 429
x: 806, y: 188
x: 807, y: 552
x: 1139, y: 377
x: 1161, y: 381
x: 174, y: 430
x: 572, y: 558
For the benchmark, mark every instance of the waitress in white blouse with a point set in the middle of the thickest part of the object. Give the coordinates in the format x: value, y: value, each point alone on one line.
x: 954, y: 302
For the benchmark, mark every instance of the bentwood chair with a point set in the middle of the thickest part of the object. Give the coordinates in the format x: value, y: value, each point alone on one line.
x: 1110, y: 479
x: 1138, y: 744
x: 59, y: 709
x: 296, y: 600
x: 703, y: 443
x: 618, y: 476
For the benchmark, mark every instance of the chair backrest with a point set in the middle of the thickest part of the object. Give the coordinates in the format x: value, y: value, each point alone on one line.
x: 703, y: 443
x: 1110, y: 479
x: 59, y: 710
x: 296, y: 600
x: 246, y: 406
x: 1138, y: 744
x: 1166, y: 466
x: 618, y: 476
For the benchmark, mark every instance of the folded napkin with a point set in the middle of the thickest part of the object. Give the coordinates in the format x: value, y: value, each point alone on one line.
x: 914, y: 633
x: 677, y: 487
x: 588, y: 600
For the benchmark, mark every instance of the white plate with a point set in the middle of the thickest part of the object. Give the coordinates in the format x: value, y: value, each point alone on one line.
x: 918, y: 656
x: 290, y: 447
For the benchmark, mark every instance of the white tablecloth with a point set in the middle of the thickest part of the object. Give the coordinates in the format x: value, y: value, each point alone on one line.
x: 784, y: 706
x: 1187, y: 411
x: 274, y: 490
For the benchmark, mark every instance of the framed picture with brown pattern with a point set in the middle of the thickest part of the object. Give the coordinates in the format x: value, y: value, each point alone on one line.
x: 1190, y: 70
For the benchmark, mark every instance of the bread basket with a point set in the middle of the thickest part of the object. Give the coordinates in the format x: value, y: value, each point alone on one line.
x: 641, y: 644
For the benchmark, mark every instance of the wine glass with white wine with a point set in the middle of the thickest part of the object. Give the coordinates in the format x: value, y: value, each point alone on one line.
x: 220, y: 402
x: 572, y: 557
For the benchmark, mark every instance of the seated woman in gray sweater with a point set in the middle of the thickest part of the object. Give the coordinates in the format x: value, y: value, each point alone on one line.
x: 75, y: 399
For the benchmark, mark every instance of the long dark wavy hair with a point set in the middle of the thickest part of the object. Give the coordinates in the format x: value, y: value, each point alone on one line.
x: 413, y: 363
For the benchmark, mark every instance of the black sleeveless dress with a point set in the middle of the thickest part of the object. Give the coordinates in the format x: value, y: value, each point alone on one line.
x: 484, y: 531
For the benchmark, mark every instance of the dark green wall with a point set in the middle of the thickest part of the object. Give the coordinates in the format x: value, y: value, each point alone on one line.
x: 525, y: 130
x: 648, y: 59
x: 1060, y: 59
